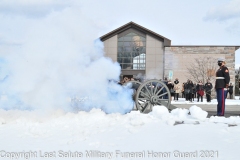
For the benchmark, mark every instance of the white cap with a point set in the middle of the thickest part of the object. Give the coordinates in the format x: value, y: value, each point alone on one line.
x: 221, y: 59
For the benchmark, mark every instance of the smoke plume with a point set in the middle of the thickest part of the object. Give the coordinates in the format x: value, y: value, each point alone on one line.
x: 57, y: 61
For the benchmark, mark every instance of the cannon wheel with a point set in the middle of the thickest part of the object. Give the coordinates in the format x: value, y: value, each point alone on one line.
x: 152, y: 93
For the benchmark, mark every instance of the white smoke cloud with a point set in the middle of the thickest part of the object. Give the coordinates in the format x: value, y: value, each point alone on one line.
x: 60, y: 57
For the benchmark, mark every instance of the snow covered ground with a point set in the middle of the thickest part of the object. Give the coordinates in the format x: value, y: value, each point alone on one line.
x: 213, y: 101
x: 58, y: 134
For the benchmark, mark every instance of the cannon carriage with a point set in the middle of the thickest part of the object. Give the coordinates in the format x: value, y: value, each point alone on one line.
x: 148, y: 94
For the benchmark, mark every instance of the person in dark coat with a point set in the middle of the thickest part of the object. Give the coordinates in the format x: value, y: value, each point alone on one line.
x: 221, y: 85
x: 230, y: 91
x: 208, y: 87
x: 194, y: 91
x: 186, y: 90
x: 190, y: 90
x: 165, y: 81
x: 170, y: 86
x: 200, y: 91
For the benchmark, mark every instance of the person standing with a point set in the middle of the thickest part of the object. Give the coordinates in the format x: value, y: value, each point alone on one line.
x: 208, y: 87
x: 183, y: 93
x: 178, y: 89
x: 165, y: 81
x: 230, y: 90
x: 194, y: 91
x: 200, y: 91
x: 176, y: 95
x: 186, y: 90
x: 221, y: 85
x: 190, y: 89
x: 170, y: 86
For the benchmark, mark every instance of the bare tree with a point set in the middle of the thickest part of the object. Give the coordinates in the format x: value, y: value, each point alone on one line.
x: 202, y: 69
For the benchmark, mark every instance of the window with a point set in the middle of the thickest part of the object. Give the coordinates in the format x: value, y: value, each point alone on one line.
x: 132, y: 52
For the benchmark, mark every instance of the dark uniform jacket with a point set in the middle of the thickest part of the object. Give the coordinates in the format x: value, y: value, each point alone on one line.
x: 222, y: 72
x: 208, y: 87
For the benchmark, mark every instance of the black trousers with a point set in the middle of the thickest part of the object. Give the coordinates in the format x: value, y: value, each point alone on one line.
x: 186, y: 96
x: 230, y: 95
x: 183, y: 95
x: 208, y: 95
x: 198, y: 96
x: 190, y: 96
x: 176, y: 95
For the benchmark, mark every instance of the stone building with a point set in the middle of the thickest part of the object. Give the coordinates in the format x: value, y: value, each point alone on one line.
x: 139, y: 50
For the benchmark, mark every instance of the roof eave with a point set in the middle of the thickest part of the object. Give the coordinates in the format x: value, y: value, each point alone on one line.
x: 167, y: 42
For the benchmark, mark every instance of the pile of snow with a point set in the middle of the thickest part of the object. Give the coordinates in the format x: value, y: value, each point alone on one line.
x: 162, y: 113
x: 179, y: 114
x: 198, y: 113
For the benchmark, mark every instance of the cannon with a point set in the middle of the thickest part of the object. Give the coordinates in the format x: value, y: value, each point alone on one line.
x: 148, y: 94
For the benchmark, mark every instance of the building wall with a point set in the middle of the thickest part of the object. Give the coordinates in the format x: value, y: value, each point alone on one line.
x: 154, y: 58
x: 110, y: 48
x: 178, y: 58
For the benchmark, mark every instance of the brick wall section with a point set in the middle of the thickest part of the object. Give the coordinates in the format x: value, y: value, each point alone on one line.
x: 177, y: 58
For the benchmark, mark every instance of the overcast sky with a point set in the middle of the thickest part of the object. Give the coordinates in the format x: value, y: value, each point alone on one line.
x: 185, y: 22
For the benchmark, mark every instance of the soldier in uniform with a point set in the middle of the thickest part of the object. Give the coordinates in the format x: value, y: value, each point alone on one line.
x: 221, y: 85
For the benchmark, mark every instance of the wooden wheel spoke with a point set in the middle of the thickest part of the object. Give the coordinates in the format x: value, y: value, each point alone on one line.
x: 145, y: 107
x: 145, y: 95
x: 143, y: 104
x: 147, y: 91
x: 159, y: 91
x: 163, y: 94
x: 143, y: 99
x: 155, y: 89
x: 159, y: 102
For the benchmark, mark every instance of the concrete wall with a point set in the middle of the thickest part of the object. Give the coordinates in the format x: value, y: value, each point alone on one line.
x: 154, y: 58
x: 110, y: 48
x: 178, y: 58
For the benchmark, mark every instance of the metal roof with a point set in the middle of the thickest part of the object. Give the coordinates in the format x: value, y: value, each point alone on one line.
x: 166, y: 41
